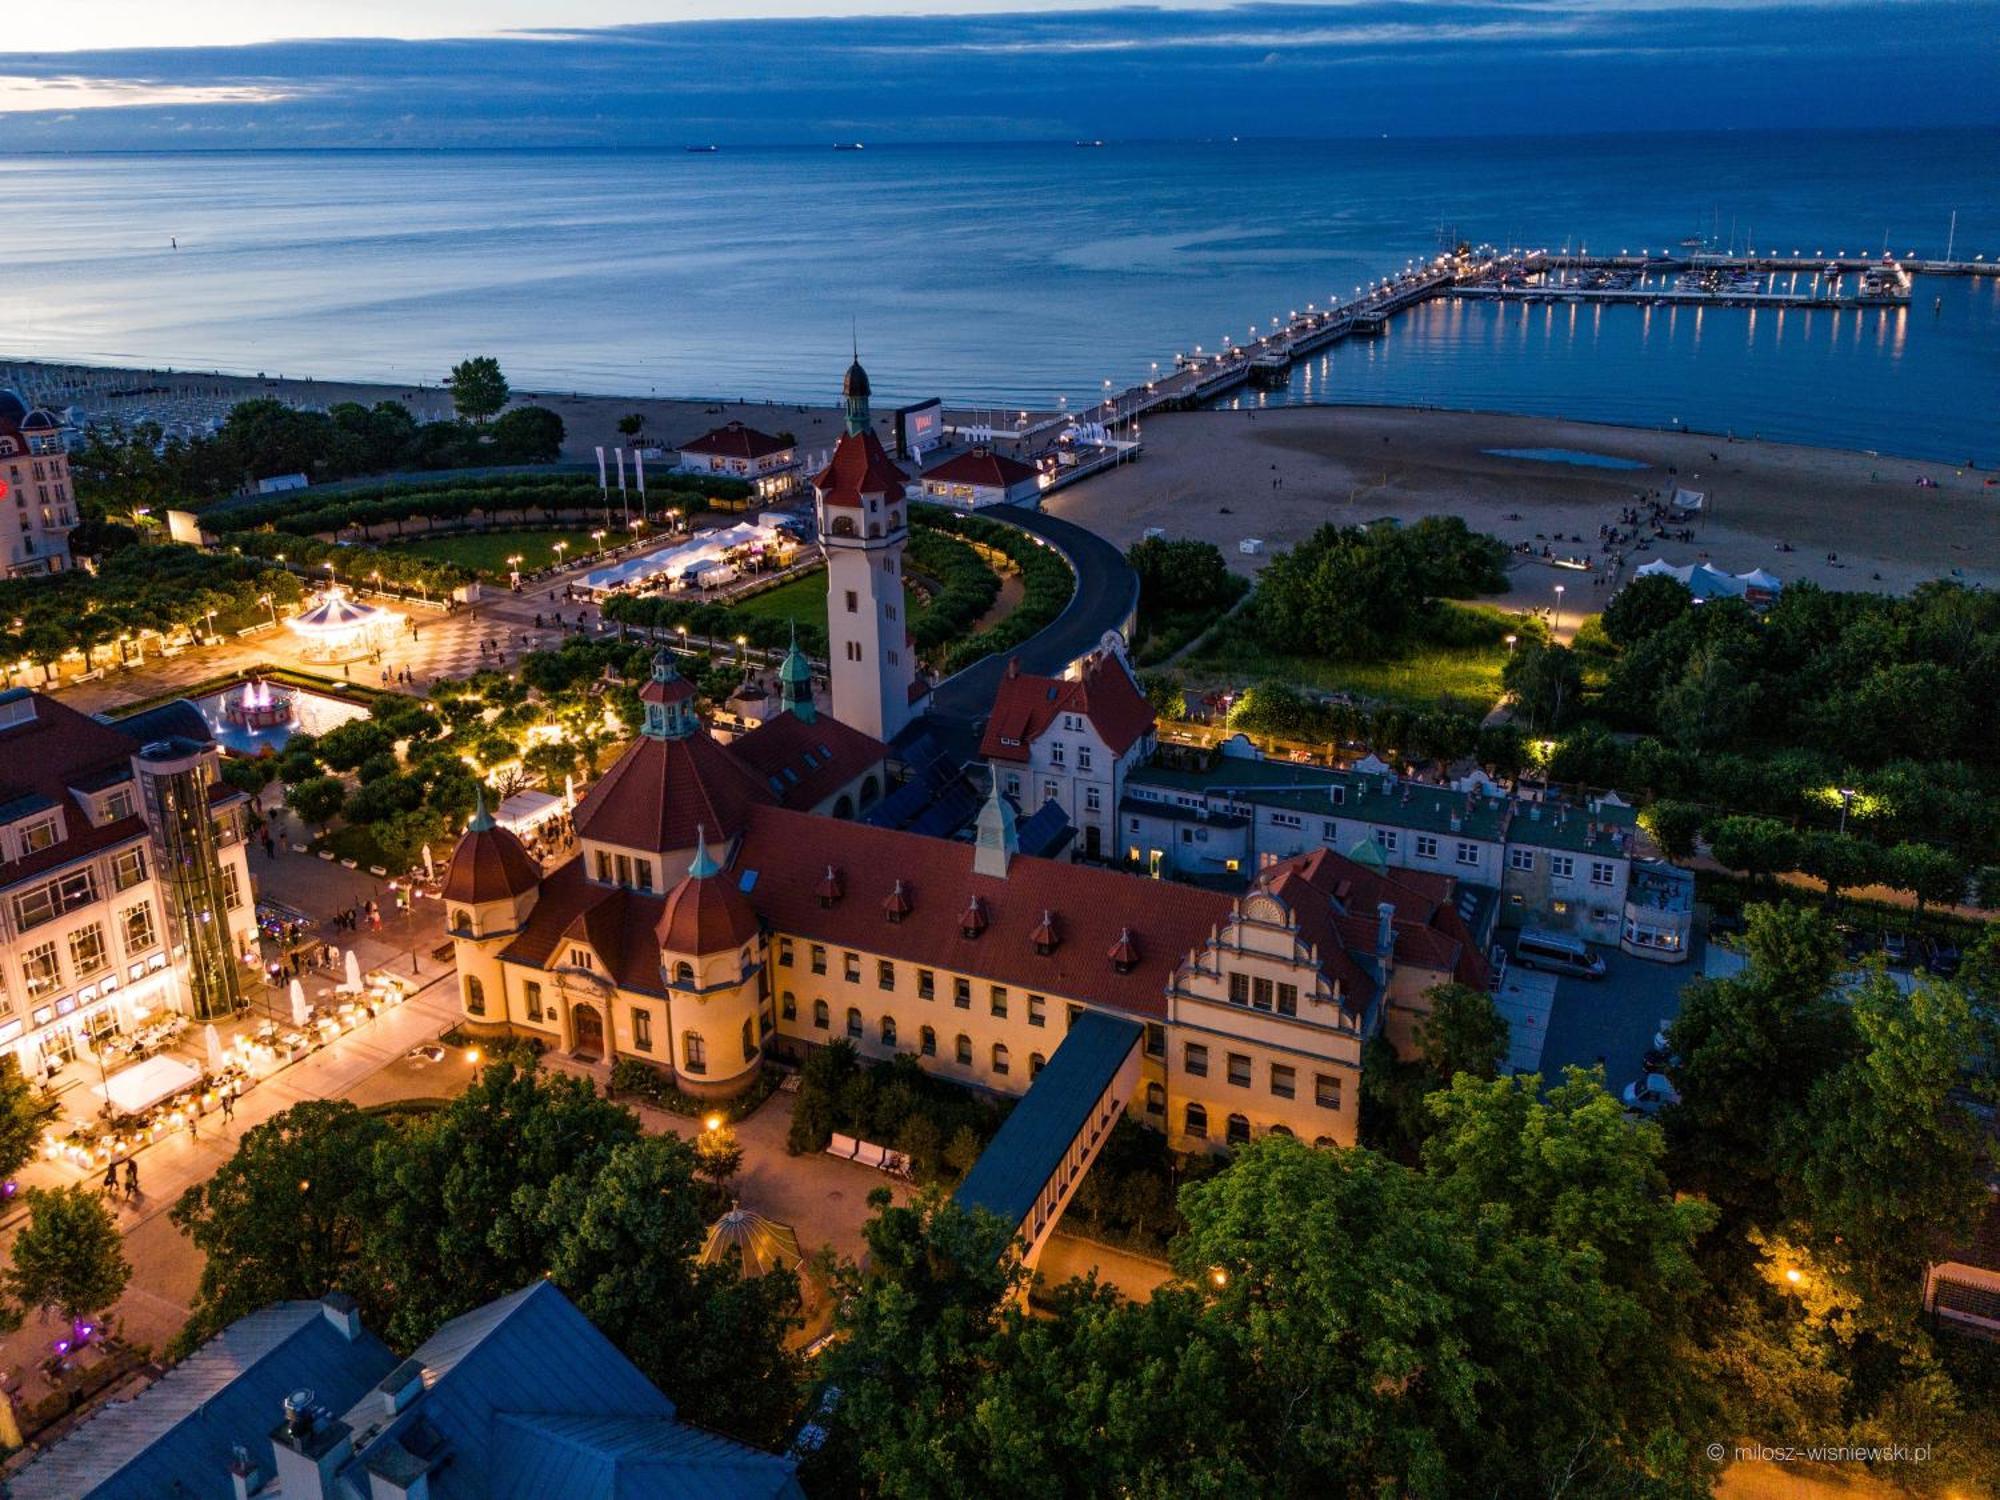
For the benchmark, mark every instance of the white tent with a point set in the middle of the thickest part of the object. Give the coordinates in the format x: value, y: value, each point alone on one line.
x: 1700, y: 579
x: 1760, y: 581
x: 526, y: 810
x: 672, y: 562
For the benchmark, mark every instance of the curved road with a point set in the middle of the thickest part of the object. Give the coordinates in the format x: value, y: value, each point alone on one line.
x: 1107, y: 591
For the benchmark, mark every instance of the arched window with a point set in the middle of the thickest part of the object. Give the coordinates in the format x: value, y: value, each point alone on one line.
x: 820, y: 1014
x: 870, y: 790
x: 694, y: 1053
x: 888, y: 1031
x: 788, y: 1006
x: 1324, y: 1143
x: 844, y: 808
x: 965, y: 1049
x: 749, y: 1040
x: 462, y: 920
x: 1281, y: 1130
x: 927, y: 1042
x: 684, y: 973
x: 1036, y: 1062
x: 1000, y: 1064
x: 1156, y: 1099
x: 1197, y: 1122
x: 475, y: 995
x: 1239, y: 1130
x: 843, y: 526
x: 854, y: 1023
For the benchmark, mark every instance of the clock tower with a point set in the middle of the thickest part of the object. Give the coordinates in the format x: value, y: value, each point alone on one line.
x: 863, y: 528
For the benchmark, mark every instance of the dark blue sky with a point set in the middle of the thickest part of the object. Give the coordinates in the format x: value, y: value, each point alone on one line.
x: 1533, y: 67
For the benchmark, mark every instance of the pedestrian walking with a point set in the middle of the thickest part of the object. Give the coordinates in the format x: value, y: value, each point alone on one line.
x: 111, y: 1180
x: 229, y: 1107
x: 194, y: 1121
x: 131, y: 1179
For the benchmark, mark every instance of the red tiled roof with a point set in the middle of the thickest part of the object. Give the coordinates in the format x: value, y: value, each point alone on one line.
x: 490, y: 864
x: 789, y: 853
x: 859, y: 467
x: 676, y: 689
x: 810, y: 762
x: 42, y: 758
x: 1319, y: 925
x: 706, y: 915
x: 985, y: 469
x: 734, y: 440
x: 1428, y: 929
x: 617, y: 924
x: 661, y: 791
x: 1105, y: 694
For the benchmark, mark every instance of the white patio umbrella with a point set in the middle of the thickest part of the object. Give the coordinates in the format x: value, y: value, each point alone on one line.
x: 213, y: 1039
x: 299, y: 1007
x: 353, y: 972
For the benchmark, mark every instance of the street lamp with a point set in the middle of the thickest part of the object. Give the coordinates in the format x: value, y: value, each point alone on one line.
x: 514, y: 570
x: 598, y: 537
x: 1559, y: 610
x: 272, y: 604
x: 1847, y: 796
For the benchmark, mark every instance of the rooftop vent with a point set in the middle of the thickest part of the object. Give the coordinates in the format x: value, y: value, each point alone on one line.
x: 896, y: 905
x: 830, y: 889
x: 1125, y: 952
x: 1045, y: 936
x: 974, y: 921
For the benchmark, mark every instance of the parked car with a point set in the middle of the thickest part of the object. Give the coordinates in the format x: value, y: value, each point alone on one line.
x: 1943, y: 959
x: 1725, y: 922
x: 1557, y: 953
x: 1650, y: 1094
x: 1855, y: 943
x: 1896, y: 946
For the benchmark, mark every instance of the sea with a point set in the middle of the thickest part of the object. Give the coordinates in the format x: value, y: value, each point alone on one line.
x: 1008, y: 277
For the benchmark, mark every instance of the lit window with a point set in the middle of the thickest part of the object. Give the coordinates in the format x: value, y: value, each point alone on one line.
x: 694, y: 1052
x: 642, y: 1030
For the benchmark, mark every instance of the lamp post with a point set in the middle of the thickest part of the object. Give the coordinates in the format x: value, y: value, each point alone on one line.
x: 1559, y: 611
x: 598, y: 537
x: 560, y: 549
x: 1847, y: 795
x: 514, y: 572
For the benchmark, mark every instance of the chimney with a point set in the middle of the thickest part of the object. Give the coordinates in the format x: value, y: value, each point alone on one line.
x: 309, y: 1447
x: 245, y: 1477
x: 1456, y: 822
x: 401, y: 1386
x: 343, y: 1313
x: 1385, y: 930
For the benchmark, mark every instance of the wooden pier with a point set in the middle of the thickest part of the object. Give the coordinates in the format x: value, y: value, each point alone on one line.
x: 1535, y: 276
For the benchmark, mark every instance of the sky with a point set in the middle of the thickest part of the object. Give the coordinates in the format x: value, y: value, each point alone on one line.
x: 221, y: 74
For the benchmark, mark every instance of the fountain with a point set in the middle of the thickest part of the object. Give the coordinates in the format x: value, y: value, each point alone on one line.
x: 257, y: 706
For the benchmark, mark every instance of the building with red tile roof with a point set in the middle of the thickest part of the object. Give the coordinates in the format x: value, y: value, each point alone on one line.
x: 739, y: 452
x: 124, y: 885
x: 1072, y: 741
x: 980, y: 477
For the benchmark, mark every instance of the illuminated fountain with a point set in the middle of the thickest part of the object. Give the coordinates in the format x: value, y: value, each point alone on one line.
x: 257, y: 706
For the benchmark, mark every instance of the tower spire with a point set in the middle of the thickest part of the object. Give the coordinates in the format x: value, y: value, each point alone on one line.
x: 481, y: 819
x: 704, y: 864
x: 795, y: 682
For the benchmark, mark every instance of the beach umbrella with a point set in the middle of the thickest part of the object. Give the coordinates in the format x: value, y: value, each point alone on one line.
x: 299, y: 1007
x: 213, y: 1039
x: 763, y: 1245
x: 353, y: 971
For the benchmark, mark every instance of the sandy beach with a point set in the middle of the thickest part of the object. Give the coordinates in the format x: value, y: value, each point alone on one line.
x: 1278, y: 473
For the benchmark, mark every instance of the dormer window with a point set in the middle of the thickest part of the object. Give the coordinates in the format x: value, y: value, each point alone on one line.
x: 40, y: 834
x: 896, y: 905
x: 684, y: 974
x: 1125, y: 952
x: 118, y: 804
x: 974, y: 921
x: 829, y: 889
x: 462, y: 920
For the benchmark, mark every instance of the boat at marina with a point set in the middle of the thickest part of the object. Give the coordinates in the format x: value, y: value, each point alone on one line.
x: 701, y: 150
x: 848, y: 146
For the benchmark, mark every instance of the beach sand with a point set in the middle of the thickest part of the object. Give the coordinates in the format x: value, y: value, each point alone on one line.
x: 1354, y: 464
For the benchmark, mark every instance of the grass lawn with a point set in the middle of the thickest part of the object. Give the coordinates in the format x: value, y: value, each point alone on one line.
x: 804, y: 599
x: 1418, y: 678
x: 486, y: 552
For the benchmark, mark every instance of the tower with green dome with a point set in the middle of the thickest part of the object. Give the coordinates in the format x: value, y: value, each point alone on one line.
x: 795, y: 682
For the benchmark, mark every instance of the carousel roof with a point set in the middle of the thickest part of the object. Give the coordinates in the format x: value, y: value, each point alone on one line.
x: 765, y: 1246
x: 336, y: 612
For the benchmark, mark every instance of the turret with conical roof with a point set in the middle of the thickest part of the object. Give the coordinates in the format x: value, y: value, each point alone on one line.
x: 854, y: 395
x: 489, y: 892
x: 795, y: 682
x: 710, y: 957
x: 669, y: 701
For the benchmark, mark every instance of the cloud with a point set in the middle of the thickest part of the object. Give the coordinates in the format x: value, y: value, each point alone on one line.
x: 21, y: 94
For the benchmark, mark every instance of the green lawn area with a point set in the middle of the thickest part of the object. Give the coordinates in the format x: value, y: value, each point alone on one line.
x: 1418, y: 678
x: 486, y: 552
x: 804, y: 599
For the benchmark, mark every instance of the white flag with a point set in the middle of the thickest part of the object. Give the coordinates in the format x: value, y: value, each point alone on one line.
x: 621, y: 469
x: 600, y: 468
x: 639, y: 468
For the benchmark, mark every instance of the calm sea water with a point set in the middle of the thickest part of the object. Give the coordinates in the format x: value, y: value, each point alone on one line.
x: 1010, y: 275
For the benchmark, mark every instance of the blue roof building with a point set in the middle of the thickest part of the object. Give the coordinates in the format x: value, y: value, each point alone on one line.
x: 522, y: 1399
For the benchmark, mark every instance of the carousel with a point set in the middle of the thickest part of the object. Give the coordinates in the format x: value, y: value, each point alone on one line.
x: 339, y: 628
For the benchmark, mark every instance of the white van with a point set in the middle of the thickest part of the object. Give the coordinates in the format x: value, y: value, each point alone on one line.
x: 1557, y: 953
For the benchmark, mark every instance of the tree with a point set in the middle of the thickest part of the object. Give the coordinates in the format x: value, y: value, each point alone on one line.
x: 632, y: 423
x: 478, y: 389
x: 317, y: 798
x: 718, y: 1155
x: 1673, y: 826
x: 1927, y: 872
x: 25, y: 1111
x: 1464, y: 1033
x: 1545, y: 680
x: 1180, y: 575
x: 1708, y: 704
x: 528, y: 435
x: 1644, y: 607
x: 1756, y: 846
x: 1838, y: 860
x: 69, y: 1258
x: 284, y: 1217
x: 1887, y: 1156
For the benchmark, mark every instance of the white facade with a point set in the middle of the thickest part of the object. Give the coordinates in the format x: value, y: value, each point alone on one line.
x: 871, y: 668
x: 1070, y: 764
